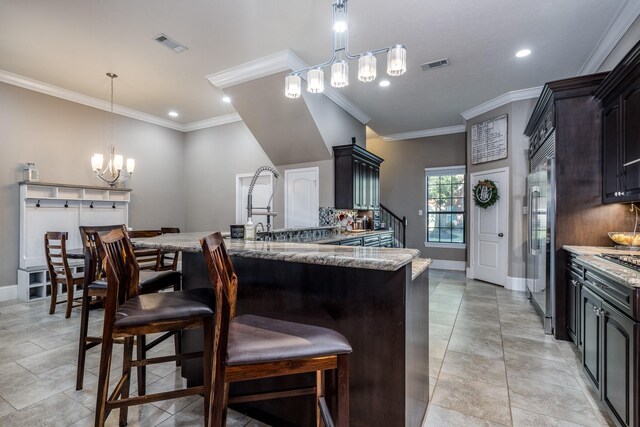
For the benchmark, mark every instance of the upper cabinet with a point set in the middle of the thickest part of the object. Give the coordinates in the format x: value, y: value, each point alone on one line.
x: 357, y: 178
x: 620, y: 97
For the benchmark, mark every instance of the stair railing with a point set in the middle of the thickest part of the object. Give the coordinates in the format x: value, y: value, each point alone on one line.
x: 395, y: 223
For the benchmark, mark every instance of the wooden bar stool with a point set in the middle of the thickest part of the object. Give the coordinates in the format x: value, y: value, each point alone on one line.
x: 55, y: 249
x: 95, y: 285
x: 250, y: 347
x: 169, y: 260
x: 148, y: 259
x: 129, y: 314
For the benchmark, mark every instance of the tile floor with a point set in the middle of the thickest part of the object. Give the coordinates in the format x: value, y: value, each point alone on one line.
x: 491, y: 364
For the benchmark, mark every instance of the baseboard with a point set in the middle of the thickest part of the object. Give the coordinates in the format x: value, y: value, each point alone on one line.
x: 516, y: 283
x: 8, y: 292
x: 445, y: 264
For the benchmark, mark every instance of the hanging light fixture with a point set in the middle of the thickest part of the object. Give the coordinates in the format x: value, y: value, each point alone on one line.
x: 396, y: 60
x: 114, y: 173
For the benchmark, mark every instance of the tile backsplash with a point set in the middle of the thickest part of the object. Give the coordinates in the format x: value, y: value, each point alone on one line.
x: 329, y: 215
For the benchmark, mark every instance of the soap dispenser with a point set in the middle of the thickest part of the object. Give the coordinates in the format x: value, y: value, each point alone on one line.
x: 249, y: 230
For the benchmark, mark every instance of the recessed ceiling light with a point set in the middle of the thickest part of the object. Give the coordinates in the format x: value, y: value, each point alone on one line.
x: 384, y: 83
x: 226, y: 99
x: 522, y: 53
x: 173, y: 113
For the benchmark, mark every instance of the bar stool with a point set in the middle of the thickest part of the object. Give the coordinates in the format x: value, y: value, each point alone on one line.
x: 95, y: 285
x: 148, y: 259
x: 55, y: 249
x: 249, y: 347
x: 129, y: 314
x: 169, y: 260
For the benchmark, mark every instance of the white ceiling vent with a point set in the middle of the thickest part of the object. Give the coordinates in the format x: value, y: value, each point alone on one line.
x: 170, y: 43
x: 435, y: 64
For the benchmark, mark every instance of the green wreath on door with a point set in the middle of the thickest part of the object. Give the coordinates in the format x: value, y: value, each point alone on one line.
x: 485, y: 193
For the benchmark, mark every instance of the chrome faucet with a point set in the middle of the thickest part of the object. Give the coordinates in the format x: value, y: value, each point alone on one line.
x: 261, y: 226
x: 250, y: 209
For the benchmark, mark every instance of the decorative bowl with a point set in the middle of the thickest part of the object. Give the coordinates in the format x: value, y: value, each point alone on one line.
x: 624, y: 238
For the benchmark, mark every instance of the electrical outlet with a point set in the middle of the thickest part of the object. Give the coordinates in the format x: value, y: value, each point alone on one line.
x: 419, y: 212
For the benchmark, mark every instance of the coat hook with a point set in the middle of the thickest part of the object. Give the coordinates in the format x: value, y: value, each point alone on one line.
x: 114, y: 205
x: 66, y: 204
x: 91, y: 205
x: 38, y: 204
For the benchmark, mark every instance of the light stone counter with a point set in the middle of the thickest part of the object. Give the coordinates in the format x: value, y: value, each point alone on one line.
x: 389, y: 259
x: 418, y: 266
x: 586, y: 255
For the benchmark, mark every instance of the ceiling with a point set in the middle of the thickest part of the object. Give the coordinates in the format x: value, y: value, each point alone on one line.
x: 71, y: 44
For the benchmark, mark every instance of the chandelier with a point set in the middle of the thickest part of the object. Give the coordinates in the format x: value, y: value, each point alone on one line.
x: 113, y: 173
x: 396, y: 60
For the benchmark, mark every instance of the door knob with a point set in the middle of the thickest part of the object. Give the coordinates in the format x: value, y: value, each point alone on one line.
x: 500, y: 234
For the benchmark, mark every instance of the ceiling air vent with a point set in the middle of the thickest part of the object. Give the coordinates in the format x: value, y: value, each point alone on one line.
x: 170, y: 43
x: 435, y: 64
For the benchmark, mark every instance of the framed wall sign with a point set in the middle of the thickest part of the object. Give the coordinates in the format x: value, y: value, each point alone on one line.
x: 489, y: 140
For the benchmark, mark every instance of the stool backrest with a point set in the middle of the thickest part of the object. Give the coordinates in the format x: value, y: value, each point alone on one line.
x: 225, y: 283
x: 92, y: 263
x: 55, y: 250
x: 148, y: 259
x: 119, y: 263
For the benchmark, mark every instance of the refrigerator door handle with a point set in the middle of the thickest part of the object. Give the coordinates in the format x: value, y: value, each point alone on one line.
x: 533, y: 217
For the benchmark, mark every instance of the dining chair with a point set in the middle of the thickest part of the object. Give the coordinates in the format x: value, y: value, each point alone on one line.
x: 95, y: 285
x: 55, y: 249
x: 249, y: 347
x: 169, y: 260
x: 129, y: 314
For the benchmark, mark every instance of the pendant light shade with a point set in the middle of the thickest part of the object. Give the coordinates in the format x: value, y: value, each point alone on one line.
x: 340, y: 74
x: 292, y: 86
x: 397, y: 60
x: 315, y: 80
x: 367, y: 68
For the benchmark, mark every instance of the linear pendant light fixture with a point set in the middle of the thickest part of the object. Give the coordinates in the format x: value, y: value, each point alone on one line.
x: 396, y: 60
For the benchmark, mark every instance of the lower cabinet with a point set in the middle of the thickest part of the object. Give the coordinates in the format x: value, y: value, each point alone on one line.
x: 609, y: 357
x: 384, y: 240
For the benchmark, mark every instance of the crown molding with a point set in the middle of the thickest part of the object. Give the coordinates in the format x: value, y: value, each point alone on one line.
x: 212, y: 122
x: 285, y: 60
x: 628, y: 12
x: 515, y: 95
x: 58, y: 92
x: 448, y: 130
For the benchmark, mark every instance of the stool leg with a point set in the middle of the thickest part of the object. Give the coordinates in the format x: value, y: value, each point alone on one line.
x: 103, y: 379
x: 82, y: 344
x: 319, y: 395
x: 343, y: 390
x: 70, y: 292
x: 141, y: 343
x: 126, y: 373
x: 54, y: 296
x: 207, y: 368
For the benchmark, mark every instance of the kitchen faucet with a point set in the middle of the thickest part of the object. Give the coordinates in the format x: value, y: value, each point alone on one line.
x: 250, y: 209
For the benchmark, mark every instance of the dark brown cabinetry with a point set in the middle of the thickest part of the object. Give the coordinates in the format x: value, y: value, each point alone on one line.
x: 620, y: 96
x: 605, y: 315
x: 575, y: 281
x: 357, y: 178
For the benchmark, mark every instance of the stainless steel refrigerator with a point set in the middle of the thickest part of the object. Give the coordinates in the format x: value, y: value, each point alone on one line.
x: 541, y: 241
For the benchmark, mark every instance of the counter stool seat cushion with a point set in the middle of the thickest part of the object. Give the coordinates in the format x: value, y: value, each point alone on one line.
x: 258, y: 339
x: 165, y: 306
x: 154, y: 281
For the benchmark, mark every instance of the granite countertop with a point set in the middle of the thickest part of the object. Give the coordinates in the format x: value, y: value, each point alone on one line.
x: 418, y: 266
x: 587, y: 255
x: 389, y: 259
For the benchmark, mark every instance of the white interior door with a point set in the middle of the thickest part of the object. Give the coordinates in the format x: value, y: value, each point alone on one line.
x: 489, y: 230
x: 262, y: 191
x: 301, y: 197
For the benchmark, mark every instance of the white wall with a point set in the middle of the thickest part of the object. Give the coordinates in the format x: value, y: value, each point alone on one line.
x: 60, y: 137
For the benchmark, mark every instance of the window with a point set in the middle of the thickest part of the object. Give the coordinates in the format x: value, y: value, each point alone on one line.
x: 445, y: 205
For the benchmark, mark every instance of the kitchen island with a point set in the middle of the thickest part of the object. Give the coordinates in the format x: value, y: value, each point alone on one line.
x: 376, y: 297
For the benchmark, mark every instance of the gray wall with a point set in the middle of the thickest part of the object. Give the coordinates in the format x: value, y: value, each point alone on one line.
x: 402, y: 181
x: 213, y: 157
x: 60, y: 137
x: 625, y: 44
x: 518, y: 114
